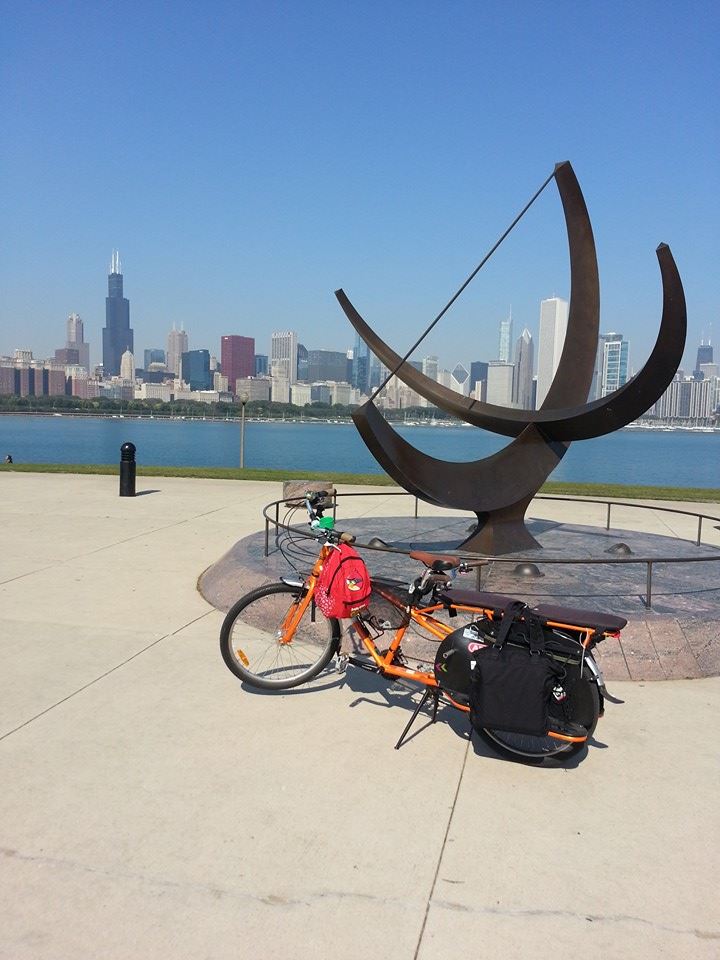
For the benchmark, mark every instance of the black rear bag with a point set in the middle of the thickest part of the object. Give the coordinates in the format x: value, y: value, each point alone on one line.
x: 512, y: 679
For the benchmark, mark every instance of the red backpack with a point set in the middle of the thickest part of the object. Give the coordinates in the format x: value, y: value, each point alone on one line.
x: 343, y: 587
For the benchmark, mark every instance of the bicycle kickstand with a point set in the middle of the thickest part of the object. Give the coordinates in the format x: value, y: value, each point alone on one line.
x: 429, y: 692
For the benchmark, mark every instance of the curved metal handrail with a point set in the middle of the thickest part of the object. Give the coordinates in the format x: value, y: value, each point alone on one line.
x: 515, y: 559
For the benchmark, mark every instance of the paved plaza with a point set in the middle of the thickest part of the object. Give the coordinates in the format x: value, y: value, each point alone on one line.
x: 153, y: 808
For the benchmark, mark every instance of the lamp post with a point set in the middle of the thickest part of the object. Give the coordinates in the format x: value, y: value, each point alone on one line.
x: 244, y: 397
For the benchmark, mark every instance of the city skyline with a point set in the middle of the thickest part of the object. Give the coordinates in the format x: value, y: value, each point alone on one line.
x: 241, y: 199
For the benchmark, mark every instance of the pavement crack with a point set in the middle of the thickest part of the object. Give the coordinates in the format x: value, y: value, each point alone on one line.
x: 610, y: 918
x: 442, y: 849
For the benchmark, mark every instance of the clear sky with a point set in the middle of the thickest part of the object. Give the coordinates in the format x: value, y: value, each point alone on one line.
x: 248, y: 158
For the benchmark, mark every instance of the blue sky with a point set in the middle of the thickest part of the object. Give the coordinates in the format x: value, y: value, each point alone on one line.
x: 249, y: 158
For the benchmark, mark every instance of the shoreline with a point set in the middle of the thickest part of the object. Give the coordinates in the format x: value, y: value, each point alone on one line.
x: 444, y: 424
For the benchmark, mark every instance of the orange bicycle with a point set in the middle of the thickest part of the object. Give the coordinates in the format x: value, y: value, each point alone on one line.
x: 275, y: 638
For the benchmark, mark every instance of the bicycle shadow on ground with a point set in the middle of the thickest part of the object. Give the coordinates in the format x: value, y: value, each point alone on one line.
x: 377, y: 691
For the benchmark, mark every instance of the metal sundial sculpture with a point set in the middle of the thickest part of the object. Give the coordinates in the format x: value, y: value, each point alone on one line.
x: 499, y: 488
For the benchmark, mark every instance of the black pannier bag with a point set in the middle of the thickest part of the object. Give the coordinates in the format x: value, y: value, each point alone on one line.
x: 512, y: 679
x: 456, y: 654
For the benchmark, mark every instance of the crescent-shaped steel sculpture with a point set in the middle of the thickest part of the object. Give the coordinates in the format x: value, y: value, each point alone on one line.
x: 499, y: 488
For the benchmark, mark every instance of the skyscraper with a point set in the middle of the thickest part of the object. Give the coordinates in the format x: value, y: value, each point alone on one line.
x: 75, y: 340
x: 283, y: 356
x: 237, y: 358
x: 704, y: 355
x: 127, y: 366
x: 177, y: 345
x: 361, y: 365
x: 505, y: 339
x: 553, y: 326
x: 196, y: 369
x: 500, y: 379
x: 478, y: 373
x: 430, y: 367
x: 117, y: 332
x: 612, y: 363
x: 523, y: 382
x: 460, y: 379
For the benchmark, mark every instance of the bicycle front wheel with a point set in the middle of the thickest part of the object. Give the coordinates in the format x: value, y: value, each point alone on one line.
x: 251, y: 638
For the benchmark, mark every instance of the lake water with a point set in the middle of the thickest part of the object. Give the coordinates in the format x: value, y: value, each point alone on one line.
x: 657, y: 458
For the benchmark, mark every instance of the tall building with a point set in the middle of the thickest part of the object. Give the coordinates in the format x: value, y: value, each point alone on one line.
x: 522, y: 394
x: 553, y: 327
x: 500, y: 380
x: 704, y: 355
x: 361, y: 365
x: 326, y: 365
x: 237, y: 358
x: 196, y: 369
x: 612, y: 363
x: 505, y: 339
x: 302, y: 362
x: 460, y: 379
x: 153, y: 355
x: 283, y: 357
x: 117, y: 332
x: 430, y: 367
x: 127, y: 366
x: 75, y: 340
x: 177, y: 345
x: 261, y: 365
x: 478, y: 373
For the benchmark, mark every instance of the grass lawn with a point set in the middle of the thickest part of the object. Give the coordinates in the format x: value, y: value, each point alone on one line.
x: 599, y: 490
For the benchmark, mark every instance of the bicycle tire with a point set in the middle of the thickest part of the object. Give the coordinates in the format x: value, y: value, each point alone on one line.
x: 583, y: 707
x: 249, y: 639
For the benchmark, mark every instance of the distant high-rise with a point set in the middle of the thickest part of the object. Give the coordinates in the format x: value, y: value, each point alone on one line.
x: 283, y: 356
x: 612, y: 363
x: 75, y: 340
x: 196, y: 369
x: 430, y: 367
x: 127, y: 366
x: 478, y: 373
x: 704, y: 355
x: 326, y: 365
x: 117, y: 332
x: 505, y: 339
x: 361, y: 365
x: 500, y: 378
x: 460, y: 379
x: 153, y: 355
x: 177, y: 345
x: 553, y: 326
x: 261, y: 365
x: 523, y: 381
x: 237, y: 358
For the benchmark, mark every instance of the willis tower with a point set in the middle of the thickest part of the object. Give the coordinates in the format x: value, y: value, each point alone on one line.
x: 117, y: 333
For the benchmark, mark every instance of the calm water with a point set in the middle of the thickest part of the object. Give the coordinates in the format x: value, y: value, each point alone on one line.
x: 679, y: 458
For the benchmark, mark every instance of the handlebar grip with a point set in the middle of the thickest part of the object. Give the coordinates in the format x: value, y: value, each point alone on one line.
x: 347, y: 538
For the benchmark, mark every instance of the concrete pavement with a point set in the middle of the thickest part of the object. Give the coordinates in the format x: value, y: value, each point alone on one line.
x: 152, y: 808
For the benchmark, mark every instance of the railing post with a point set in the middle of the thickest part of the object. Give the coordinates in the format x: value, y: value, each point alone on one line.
x: 416, y: 506
x: 607, y: 522
x: 648, y: 599
x: 700, y: 520
x: 267, y: 537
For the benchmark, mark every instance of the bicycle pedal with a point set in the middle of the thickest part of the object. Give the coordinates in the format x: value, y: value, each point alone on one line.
x: 341, y: 663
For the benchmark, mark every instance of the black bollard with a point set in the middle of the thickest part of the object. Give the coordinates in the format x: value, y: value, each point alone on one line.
x: 127, y: 470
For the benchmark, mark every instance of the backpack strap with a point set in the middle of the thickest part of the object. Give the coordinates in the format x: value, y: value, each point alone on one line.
x: 509, y: 615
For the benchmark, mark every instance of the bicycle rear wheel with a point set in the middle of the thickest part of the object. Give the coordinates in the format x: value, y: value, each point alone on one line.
x: 582, y: 707
x: 250, y: 639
